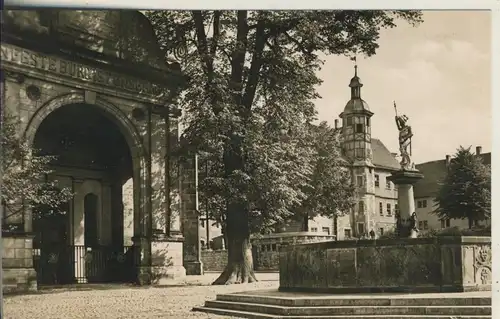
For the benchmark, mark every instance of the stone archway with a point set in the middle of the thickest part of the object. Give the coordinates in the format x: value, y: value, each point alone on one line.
x: 128, y: 129
x: 132, y: 140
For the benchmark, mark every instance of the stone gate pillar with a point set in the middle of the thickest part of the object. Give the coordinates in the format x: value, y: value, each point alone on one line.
x: 167, y: 240
x: 18, y: 274
x: 190, y: 216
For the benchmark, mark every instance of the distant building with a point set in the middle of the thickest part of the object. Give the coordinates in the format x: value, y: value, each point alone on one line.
x: 371, y: 163
x: 425, y: 191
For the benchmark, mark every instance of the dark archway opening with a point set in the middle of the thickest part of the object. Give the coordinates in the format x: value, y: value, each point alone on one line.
x: 94, y: 160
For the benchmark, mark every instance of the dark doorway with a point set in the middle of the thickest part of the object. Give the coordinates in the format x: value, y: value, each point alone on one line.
x: 88, y: 146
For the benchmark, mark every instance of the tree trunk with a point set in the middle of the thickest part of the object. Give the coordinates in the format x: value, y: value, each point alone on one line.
x: 335, y: 227
x: 239, y: 268
x: 305, y: 224
x: 471, y: 222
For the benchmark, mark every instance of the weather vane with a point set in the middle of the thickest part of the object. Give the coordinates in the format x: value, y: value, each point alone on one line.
x: 355, y: 60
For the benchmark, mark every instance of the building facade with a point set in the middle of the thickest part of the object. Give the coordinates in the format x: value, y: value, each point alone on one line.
x: 93, y: 88
x: 425, y: 191
x: 371, y: 163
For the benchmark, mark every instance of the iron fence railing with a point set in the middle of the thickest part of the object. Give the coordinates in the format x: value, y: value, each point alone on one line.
x: 81, y: 264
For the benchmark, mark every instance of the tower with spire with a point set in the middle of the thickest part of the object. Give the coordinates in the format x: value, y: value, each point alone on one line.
x: 357, y: 148
x: 356, y: 125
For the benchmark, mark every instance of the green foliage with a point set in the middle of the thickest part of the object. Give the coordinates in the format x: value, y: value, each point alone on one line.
x: 24, y: 183
x: 466, y: 191
x: 249, y: 105
x: 330, y: 191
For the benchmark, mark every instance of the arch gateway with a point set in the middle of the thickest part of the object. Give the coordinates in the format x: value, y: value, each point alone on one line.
x: 93, y: 89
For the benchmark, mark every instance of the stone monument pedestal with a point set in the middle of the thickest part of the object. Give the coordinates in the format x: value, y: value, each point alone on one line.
x: 405, y: 179
x: 166, y: 259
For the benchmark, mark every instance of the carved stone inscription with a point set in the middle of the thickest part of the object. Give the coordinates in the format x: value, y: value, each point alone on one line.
x: 78, y: 71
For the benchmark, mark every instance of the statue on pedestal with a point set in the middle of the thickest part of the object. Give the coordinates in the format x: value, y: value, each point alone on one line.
x: 405, y: 178
x: 405, y: 135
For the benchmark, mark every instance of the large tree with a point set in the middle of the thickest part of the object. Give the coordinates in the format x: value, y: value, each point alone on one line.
x: 466, y: 190
x: 24, y: 178
x: 253, y: 83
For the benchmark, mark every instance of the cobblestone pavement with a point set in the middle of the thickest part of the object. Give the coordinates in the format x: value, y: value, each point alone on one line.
x: 121, y: 302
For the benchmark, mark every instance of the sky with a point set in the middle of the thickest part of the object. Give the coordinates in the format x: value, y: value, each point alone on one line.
x: 439, y: 74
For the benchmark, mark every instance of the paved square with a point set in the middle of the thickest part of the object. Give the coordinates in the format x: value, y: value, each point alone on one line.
x: 127, y: 302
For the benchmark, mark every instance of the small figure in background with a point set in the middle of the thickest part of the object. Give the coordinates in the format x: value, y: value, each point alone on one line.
x: 372, y: 234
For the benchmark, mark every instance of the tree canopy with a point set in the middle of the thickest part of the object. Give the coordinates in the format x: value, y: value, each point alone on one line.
x: 466, y: 190
x: 330, y: 190
x: 24, y: 182
x: 251, y: 100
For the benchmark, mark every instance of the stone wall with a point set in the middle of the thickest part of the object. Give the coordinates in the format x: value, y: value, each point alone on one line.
x: 214, y: 260
x: 18, y: 274
x: 265, y: 251
x: 409, y: 265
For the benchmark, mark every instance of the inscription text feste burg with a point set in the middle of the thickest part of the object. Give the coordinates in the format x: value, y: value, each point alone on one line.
x: 79, y: 71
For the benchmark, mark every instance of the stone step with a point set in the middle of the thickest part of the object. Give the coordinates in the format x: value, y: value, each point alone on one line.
x: 254, y: 315
x: 236, y: 314
x: 375, y: 301
x: 350, y: 310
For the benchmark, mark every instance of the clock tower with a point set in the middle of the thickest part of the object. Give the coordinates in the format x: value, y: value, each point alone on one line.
x: 356, y: 146
x: 356, y: 126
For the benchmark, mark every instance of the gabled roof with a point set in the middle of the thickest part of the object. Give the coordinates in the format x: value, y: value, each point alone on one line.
x: 434, y: 173
x: 382, y: 157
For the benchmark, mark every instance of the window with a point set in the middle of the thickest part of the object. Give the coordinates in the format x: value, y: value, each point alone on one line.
x: 359, y: 128
x: 361, y: 207
x: 422, y: 203
x: 377, y: 180
x: 273, y: 247
x: 389, y: 209
x: 420, y: 224
x: 314, y: 229
x: 349, y: 121
x: 445, y: 223
x: 387, y: 184
x: 326, y: 230
x: 426, y: 224
x: 368, y: 121
x: 359, y: 180
x: 381, y: 209
x: 381, y: 232
x: 347, y: 233
x: 361, y: 229
x: 396, y: 208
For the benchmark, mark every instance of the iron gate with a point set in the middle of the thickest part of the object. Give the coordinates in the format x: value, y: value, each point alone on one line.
x: 80, y: 264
